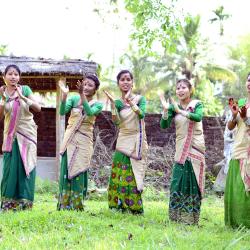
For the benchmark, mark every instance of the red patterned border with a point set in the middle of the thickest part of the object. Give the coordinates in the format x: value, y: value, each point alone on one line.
x: 187, y: 143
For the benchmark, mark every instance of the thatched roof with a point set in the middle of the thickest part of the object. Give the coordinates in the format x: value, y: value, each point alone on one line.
x: 40, y: 74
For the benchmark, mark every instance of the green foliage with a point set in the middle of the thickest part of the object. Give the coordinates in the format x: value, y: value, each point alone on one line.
x: 155, y: 23
x: 97, y: 227
x: 190, y: 31
x: 46, y: 186
x: 204, y: 91
x: 220, y: 17
x: 3, y: 50
x: 239, y: 55
x: 221, y: 74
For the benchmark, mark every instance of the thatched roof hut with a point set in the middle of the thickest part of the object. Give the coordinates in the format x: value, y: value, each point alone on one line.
x: 42, y: 75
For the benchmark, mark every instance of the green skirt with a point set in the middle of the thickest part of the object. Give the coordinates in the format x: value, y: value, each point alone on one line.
x: 17, y: 190
x: 185, y: 196
x: 236, y: 199
x: 72, y: 192
x: 122, y: 191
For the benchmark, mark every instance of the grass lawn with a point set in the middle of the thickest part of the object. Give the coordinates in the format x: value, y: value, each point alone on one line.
x: 99, y: 228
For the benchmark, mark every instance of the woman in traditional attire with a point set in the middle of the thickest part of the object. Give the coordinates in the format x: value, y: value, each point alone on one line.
x: 19, y: 142
x: 187, y: 184
x: 220, y: 182
x: 237, y: 190
x: 77, y: 145
x: 129, y: 160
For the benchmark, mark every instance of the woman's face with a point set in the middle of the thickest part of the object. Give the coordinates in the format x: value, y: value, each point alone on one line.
x: 125, y: 82
x: 248, y: 84
x: 89, y: 87
x: 182, y: 91
x: 12, y: 77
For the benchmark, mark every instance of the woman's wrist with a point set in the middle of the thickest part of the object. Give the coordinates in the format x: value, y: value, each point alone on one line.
x: 135, y: 108
x: 247, y: 121
x: 184, y: 113
x: 28, y: 101
x: 64, y: 97
x: 2, y: 102
x: 233, y: 120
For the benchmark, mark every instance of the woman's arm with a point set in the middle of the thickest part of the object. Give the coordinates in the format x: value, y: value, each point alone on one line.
x: 139, y: 109
x: 115, y: 108
x: 92, y: 110
x: 26, y: 95
x: 195, y: 116
x: 233, y: 122
x: 2, y: 102
x: 167, y: 117
x: 34, y: 104
x: 67, y: 105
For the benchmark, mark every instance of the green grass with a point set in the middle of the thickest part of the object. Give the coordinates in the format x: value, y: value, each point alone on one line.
x: 99, y: 228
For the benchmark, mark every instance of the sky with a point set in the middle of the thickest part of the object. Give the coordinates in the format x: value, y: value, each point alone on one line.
x: 54, y: 28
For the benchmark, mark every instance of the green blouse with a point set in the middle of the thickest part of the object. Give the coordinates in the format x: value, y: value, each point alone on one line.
x: 142, y: 106
x: 193, y: 116
x: 72, y: 102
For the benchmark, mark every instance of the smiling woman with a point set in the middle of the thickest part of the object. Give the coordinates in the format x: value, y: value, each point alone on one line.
x: 77, y: 146
x: 237, y: 199
x: 188, y: 174
x: 19, y: 142
x: 129, y: 161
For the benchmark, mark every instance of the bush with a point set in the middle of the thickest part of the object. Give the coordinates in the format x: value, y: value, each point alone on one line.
x: 46, y: 186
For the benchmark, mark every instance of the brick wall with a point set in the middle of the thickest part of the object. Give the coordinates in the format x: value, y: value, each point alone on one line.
x: 213, y: 130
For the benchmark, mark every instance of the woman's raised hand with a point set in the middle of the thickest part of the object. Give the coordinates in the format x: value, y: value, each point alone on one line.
x: 175, y: 104
x: 64, y: 88
x: 19, y: 92
x: 243, y: 112
x: 128, y: 94
x: 110, y: 97
x: 234, y: 109
x: 2, y: 90
x: 165, y: 104
x: 80, y: 85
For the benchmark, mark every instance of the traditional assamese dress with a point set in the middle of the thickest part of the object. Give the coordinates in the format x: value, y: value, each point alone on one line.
x: 129, y: 160
x: 76, y: 151
x: 19, y: 154
x: 220, y: 182
x: 187, y: 184
x: 237, y: 190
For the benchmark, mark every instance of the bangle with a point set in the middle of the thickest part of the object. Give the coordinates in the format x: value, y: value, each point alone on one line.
x: 29, y: 102
x: 134, y: 108
x: 113, y: 110
x: 165, y: 115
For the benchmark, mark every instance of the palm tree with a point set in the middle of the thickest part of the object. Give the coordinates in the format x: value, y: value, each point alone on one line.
x: 220, y: 17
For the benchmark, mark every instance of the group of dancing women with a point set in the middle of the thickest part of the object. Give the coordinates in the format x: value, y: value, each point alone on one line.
x: 130, y: 157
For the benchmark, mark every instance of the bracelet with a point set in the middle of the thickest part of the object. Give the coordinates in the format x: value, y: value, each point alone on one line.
x: 113, y: 111
x: 134, y: 108
x: 165, y: 115
x: 29, y: 102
